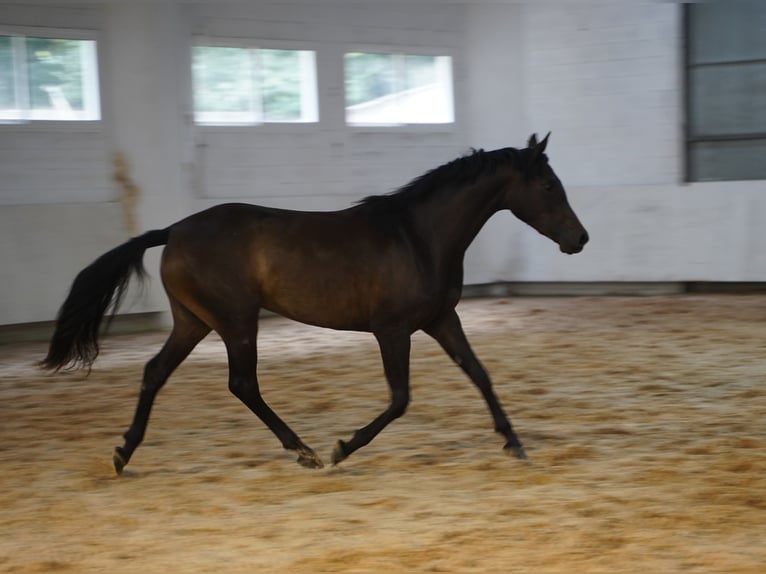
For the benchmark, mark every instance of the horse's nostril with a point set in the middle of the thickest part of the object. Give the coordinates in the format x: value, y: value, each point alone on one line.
x: 584, y: 238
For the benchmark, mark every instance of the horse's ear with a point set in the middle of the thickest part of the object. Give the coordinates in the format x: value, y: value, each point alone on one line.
x: 544, y: 143
x: 537, y: 148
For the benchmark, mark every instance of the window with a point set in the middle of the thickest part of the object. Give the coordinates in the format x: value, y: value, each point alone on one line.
x: 48, y: 78
x: 395, y: 89
x: 246, y: 85
x: 726, y: 91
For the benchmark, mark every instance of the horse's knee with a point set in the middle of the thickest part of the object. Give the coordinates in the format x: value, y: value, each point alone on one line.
x: 237, y: 386
x: 477, y: 373
x: 399, y: 402
x: 154, y: 377
x: 243, y: 388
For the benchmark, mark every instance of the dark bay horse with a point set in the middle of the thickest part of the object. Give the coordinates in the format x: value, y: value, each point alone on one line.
x: 389, y: 265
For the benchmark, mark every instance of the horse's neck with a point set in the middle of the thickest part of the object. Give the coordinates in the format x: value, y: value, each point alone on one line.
x: 450, y: 223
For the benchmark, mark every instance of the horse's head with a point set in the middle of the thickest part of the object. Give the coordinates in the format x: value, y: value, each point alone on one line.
x: 539, y: 200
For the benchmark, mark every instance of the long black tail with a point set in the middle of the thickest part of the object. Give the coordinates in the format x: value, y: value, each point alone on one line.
x: 96, y: 288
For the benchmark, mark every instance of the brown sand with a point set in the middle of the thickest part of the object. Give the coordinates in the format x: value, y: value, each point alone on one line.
x: 644, y: 420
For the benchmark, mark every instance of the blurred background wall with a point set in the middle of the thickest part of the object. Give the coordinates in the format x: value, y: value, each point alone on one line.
x: 664, y: 171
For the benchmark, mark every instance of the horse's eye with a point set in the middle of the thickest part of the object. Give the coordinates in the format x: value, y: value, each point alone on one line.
x: 548, y: 186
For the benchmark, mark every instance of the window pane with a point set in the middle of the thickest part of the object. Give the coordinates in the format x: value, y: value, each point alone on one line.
x: 369, y: 77
x: 427, y: 97
x: 7, y: 75
x: 223, y: 84
x: 48, y: 79
x: 726, y: 90
x: 728, y: 99
x: 419, y: 71
x: 253, y: 85
x: 726, y: 32
x: 724, y: 161
x: 286, y: 80
x: 398, y: 89
x: 56, y: 76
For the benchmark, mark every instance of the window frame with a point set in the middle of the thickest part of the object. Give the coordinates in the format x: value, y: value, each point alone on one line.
x: 95, y: 88
x: 691, y: 139
x: 401, y: 50
x: 201, y: 40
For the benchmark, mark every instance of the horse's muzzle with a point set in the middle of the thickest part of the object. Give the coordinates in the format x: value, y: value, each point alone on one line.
x: 570, y: 247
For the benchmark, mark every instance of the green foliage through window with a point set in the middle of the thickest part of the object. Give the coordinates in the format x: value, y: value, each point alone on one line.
x: 253, y: 85
x: 48, y: 79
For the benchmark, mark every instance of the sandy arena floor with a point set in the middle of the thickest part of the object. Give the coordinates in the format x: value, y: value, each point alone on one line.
x: 644, y: 420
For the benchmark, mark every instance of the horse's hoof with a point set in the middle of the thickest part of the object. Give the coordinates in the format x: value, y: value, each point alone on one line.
x: 309, y: 459
x: 516, y: 450
x: 339, y: 452
x: 120, y: 459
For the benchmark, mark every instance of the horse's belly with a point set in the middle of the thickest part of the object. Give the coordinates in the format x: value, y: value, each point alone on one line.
x: 323, y: 298
x: 320, y: 310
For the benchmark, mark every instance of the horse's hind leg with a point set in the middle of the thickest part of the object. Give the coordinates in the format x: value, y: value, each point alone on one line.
x: 243, y: 383
x: 187, y: 331
x: 449, y: 334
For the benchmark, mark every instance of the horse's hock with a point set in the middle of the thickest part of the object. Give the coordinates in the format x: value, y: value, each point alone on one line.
x: 644, y: 420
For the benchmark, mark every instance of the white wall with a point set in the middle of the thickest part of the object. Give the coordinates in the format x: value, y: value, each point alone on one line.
x: 606, y: 80
x: 327, y: 165
x: 144, y: 52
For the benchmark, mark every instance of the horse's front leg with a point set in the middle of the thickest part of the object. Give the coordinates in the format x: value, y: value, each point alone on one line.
x: 395, y: 352
x: 448, y: 332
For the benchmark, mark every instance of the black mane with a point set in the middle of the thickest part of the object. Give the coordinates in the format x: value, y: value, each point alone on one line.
x: 459, y: 172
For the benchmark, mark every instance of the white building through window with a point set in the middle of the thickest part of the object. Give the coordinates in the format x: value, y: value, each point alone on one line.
x: 396, y: 89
